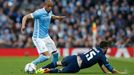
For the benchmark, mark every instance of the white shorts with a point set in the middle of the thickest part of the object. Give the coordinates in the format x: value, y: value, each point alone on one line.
x: 44, y: 44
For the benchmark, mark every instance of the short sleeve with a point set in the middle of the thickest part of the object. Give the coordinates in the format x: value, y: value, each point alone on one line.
x: 36, y: 14
x: 106, y: 63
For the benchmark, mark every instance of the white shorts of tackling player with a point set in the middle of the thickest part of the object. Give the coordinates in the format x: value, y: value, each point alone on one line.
x: 44, y: 44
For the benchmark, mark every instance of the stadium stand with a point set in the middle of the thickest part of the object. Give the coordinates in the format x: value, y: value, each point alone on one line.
x: 114, y: 19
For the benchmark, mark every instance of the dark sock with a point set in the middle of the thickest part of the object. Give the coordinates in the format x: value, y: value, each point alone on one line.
x: 54, y: 70
x: 51, y: 65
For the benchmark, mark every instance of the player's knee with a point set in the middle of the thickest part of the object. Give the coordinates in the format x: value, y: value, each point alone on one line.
x: 64, y: 62
x: 46, y: 54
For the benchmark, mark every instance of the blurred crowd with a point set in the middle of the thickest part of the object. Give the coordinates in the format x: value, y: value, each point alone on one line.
x: 114, y: 20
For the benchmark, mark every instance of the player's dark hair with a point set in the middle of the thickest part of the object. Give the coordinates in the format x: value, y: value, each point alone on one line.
x: 104, y: 44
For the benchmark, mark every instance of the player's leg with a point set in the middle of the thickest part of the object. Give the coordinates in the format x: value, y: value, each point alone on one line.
x: 52, y: 65
x: 54, y: 56
x: 42, y: 57
x: 46, y: 69
x: 69, y: 63
x: 51, y: 68
x: 64, y: 62
x: 52, y: 49
x: 70, y: 66
x: 67, y: 69
x: 42, y: 50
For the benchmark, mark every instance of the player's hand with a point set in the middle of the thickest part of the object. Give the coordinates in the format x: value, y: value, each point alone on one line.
x: 118, y: 72
x: 123, y: 72
x: 108, y: 72
x: 22, y: 29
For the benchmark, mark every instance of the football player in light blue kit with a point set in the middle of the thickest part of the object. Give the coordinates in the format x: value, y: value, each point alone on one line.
x: 44, y: 44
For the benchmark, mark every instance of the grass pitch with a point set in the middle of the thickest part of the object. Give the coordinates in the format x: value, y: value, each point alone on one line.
x: 15, y: 66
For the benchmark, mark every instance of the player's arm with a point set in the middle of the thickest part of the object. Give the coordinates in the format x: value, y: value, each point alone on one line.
x: 118, y: 72
x: 105, y: 62
x: 58, y: 17
x: 34, y: 15
x: 114, y: 71
x: 104, y: 69
x: 24, y: 20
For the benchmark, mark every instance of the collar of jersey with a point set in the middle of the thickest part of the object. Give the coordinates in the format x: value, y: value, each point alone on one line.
x: 46, y: 11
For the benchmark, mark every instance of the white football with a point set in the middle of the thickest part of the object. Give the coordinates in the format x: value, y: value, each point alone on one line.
x: 30, y: 68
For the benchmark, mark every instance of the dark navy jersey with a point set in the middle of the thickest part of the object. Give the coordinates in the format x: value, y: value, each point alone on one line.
x: 94, y: 56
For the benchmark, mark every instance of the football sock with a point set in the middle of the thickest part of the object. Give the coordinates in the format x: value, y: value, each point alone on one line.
x: 54, y: 70
x: 54, y: 57
x: 40, y: 59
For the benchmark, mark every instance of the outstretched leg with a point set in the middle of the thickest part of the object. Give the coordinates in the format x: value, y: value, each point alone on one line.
x: 42, y: 57
x: 52, y: 65
x: 69, y: 63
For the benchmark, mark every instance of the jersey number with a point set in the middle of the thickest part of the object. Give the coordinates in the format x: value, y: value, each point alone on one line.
x: 90, y: 55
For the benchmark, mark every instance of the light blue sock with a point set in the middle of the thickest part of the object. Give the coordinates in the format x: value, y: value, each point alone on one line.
x: 40, y: 59
x: 55, y: 57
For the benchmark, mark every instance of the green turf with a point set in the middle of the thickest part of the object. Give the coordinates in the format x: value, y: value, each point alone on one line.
x: 15, y: 65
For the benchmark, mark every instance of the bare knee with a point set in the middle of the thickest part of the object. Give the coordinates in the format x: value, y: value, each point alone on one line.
x: 46, y: 54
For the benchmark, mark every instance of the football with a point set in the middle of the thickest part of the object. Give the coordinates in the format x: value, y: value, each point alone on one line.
x: 30, y: 68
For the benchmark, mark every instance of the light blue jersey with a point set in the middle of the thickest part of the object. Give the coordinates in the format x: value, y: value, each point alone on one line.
x: 41, y: 23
